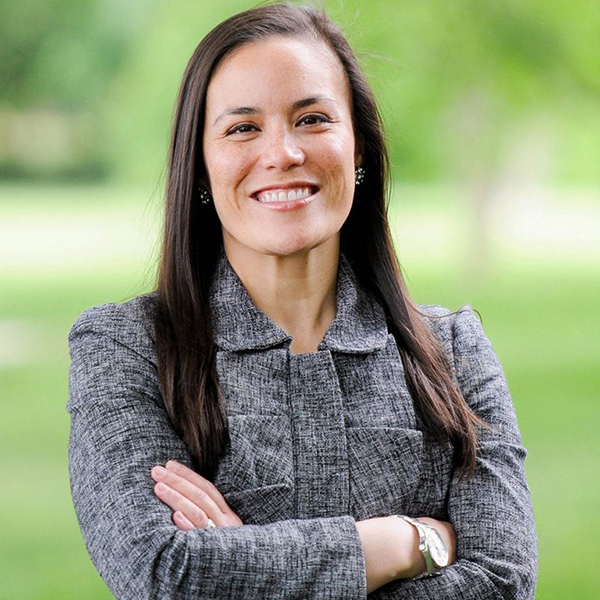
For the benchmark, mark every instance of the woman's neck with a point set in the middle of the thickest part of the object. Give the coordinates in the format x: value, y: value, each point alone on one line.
x: 297, y: 292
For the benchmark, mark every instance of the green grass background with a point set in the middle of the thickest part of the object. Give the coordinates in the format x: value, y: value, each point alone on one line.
x: 541, y: 315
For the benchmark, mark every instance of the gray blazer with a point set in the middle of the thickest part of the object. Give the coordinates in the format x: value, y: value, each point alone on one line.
x: 318, y: 441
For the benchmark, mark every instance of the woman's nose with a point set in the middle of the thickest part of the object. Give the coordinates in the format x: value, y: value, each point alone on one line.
x: 281, y: 150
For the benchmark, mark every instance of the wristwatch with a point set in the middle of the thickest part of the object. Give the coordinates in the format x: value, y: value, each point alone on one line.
x: 431, y: 546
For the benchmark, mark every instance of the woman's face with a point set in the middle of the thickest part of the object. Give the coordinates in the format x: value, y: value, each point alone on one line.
x: 279, y: 146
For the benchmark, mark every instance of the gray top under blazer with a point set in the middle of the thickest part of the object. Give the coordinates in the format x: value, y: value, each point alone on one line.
x: 318, y: 441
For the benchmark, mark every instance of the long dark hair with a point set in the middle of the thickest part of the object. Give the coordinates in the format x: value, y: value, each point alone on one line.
x: 192, y: 240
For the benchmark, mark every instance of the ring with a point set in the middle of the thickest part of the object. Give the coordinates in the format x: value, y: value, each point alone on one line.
x: 210, y: 524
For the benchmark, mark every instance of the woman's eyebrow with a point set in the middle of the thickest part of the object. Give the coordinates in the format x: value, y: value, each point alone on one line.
x: 312, y: 100
x: 251, y: 110
x: 239, y: 110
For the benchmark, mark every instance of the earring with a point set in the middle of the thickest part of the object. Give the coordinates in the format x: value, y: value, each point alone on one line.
x: 359, y: 175
x: 204, y: 195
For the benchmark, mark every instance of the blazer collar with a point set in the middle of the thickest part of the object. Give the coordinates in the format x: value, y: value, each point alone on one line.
x: 359, y: 326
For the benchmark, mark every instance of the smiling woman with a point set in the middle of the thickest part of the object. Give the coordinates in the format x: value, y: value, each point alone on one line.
x: 279, y: 149
x: 279, y: 419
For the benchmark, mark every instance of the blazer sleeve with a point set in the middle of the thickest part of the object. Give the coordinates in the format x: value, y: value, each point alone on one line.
x: 491, y: 512
x: 119, y: 431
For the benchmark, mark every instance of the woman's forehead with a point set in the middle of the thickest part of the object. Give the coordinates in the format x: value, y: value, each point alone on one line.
x: 277, y: 69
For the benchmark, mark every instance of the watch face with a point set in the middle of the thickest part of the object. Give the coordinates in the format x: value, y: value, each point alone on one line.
x: 437, y: 548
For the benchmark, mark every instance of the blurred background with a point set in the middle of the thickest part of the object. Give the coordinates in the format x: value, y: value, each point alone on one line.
x: 493, y: 116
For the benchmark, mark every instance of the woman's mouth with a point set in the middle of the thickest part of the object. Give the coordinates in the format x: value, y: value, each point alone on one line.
x: 286, y: 199
x: 286, y: 194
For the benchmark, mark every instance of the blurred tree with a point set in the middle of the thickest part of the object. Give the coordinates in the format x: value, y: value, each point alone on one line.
x: 56, y: 59
x: 458, y: 81
x: 63, y: 52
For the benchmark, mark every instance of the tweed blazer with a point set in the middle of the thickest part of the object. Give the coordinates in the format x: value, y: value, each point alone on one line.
x: 317, y: 441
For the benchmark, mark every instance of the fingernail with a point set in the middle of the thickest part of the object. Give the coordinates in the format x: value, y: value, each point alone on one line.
x: 172, y: 465
x: 160, y: 471
x: 161, y: 487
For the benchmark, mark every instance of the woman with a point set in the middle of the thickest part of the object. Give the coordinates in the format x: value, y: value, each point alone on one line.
x: 287, y: 398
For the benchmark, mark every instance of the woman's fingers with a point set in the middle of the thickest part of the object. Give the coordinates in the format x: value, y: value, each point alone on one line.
x: 179, y: 503
x: 199, y: 482
x: 198, y: 491
x: 182, y: 521
x: 190, y: 491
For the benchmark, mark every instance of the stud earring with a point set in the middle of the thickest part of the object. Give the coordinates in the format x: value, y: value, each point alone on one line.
x: 204, y: 195
x: 359, y: 175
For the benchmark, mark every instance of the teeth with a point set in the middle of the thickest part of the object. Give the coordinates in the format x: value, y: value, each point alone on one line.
x: 284, y: 196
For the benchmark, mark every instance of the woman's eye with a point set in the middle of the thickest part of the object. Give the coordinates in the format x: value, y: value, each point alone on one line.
x: 242, y: 128
x: 314, y: 120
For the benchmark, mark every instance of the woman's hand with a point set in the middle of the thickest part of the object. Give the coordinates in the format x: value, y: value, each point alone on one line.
x: 193, y: 499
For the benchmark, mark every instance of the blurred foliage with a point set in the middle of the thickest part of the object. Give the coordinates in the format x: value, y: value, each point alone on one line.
x: 63, y: 53
x: 89, y: 87
x: 57, y: 61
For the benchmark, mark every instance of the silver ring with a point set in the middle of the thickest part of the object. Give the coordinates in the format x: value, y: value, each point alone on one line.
x: 210, y: 524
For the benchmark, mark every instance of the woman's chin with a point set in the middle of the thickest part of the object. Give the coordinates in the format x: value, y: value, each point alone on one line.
x: 284, y: 243
x: 291, y: 247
